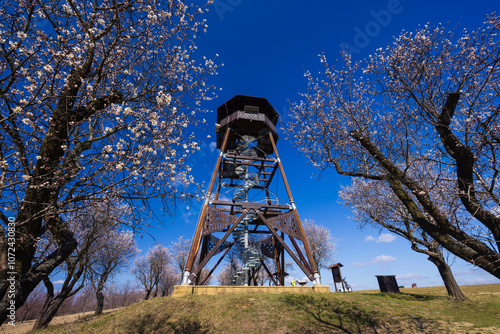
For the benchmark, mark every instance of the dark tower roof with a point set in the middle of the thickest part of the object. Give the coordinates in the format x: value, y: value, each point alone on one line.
x: 240, y: 101
x: 247, y: 115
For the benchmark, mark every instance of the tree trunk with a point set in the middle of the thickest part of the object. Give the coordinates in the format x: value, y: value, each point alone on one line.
x: 52, y: 304
x: 100, y: 302
x: 148, y: 292
x: 18, y: 287
x: 454, y: 291
x: 99, y: 292
x: 48, y: 312
x: 3, y: 255
x: 14, y: 289
x: 449, y: 236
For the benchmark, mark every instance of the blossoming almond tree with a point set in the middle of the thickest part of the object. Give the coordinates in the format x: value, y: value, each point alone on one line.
x: 95, y: 101
x: 422, y: 118
x: 152, y: 268
x: 374, y: 204
x: 102, y: 249
x: 321, y: 242
x: 179, y: 250
x: 110, y: 255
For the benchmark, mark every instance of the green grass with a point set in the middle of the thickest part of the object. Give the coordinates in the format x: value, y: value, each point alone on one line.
x: 421, y: 310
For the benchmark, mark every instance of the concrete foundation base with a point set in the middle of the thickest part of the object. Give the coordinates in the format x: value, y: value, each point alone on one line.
x: 186, y: 290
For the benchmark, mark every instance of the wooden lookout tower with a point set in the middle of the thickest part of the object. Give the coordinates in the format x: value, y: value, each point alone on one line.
x: 240, y: 210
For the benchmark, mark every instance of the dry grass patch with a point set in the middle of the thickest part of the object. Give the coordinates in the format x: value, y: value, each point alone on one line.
x: 421, y: 310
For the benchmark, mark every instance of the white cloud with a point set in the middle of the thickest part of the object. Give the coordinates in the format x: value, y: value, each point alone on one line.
x: 188, y: 214
x: 409, y: 277
x: 225, y: 197
x: 477, y: 280
x: 384, y: 237
x: 58, y: 282
x: 375, y: 260
x: 382, y: 259
x: 473, y: 272
x: 475, y: 276
x: 212, y: 146
x: 359, y: 264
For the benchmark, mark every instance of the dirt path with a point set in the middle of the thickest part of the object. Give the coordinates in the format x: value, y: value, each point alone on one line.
x: 25, y: 327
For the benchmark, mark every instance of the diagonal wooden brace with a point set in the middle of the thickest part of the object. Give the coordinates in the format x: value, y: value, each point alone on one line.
x: 217, y: 264
x: 306, y: 271
x: 269, y: 273
x: 216, y: 247
x: 294, y: 243
x: 307, y: 248
x: 197, y: 234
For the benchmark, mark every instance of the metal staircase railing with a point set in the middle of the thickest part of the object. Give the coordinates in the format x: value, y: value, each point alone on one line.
x: 251, y: 252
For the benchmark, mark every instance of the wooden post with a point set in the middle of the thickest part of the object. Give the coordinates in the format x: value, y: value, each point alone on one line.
x: 277, y: 255
x: 282, y: 254
x: 337, y: 275
x: 203, y: 254
x: 197, y: 234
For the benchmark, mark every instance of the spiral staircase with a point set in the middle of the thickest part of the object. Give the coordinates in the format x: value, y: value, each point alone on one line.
x: 251, y: 253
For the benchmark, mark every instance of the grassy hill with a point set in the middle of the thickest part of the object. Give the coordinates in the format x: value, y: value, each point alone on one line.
x: 419, y: 310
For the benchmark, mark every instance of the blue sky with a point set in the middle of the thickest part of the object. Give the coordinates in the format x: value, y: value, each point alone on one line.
x: 265, y: 47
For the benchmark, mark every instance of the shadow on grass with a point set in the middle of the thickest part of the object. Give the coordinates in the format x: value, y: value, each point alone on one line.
x: 185, y: 326
x: 411, y: 296
x: 331, y: 315
x: 150, y: 324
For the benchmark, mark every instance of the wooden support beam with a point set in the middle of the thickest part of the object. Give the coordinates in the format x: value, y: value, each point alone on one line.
x: 234, y: 185
x: 295, y: 213
x: 216, y: 247
x: 195, y: 245
x: 272, y: 175
x: 280, y: 165
x: 253, y: 164
x: 268, y: 213
x: 277, y: 255
x: 197, y: 235
x: 269, y: 273
x: 282, y: 254
x: 203, y: 253
x: 297, y: 248
x: 249, y: 205
x: 244, y: 157
x: 219, y: 185
x: 217, y: 264
x: 306, y: 243
x: 289, y: 251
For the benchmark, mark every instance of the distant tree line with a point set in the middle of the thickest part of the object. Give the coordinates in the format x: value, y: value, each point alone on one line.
x: 88, y: 284
x: 115, y: 296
